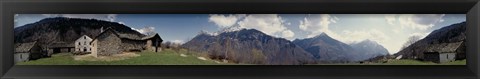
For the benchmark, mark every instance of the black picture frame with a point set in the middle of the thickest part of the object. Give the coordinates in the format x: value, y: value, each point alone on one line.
x: 469, y: 7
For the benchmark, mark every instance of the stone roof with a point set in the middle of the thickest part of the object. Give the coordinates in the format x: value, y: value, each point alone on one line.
x: 24, y: 47
x: 152, y: 36
x: 444, y: 47
x: 127, y: 35
x: 120, y: 35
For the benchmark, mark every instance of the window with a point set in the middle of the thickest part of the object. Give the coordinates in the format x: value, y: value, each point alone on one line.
x: 84, y: 37
x: 20, y: 56
x: 84, y: 43
x: 79, y: 43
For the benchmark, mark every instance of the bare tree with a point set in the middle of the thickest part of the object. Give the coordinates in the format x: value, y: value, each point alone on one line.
x: 411, y: 40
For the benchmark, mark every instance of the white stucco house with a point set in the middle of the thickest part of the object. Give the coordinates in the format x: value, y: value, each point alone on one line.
x: 82, y: 44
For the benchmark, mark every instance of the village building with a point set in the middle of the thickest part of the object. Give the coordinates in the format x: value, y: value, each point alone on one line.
x: 443, y: 52
x: 60, y: 47
x: 153, y: 42
x: 27, y: 51
x: 111, y: 42
x: 82, y: 44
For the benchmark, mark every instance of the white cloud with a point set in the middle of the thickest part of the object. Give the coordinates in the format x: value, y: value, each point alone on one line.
x: 111, y: 17
x: 372, y: 34
x: 415, y: 21
x: 390, y: 18
x: 145, y: 30
x: 223, y: 21
x: 336, y: 18
x: 316, y: 24
x: 288, y: 33
x: 428, y: 19
x: 121, y: 23
x: 15, y: 20
x: 270, y: 24
x: 106, y: 17
x: 177, y: 41
x: 396, y: 31
x: 422, y: 35
x: 320, y: 23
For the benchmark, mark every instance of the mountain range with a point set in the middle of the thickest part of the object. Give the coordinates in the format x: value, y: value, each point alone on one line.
x: 328, y: 50
x: 250, y: 46
x: 247, y: 45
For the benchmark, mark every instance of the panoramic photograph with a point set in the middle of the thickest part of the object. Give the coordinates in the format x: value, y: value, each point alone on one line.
x: 239, y: 39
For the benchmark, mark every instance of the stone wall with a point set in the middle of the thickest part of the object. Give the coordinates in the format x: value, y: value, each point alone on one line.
x: 133, y: 45
x: 94, y: 48
x: 149, y: 45
x: 108, y: 44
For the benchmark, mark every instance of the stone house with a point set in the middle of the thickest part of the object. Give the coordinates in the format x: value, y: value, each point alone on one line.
x: 27, y: 51
x: 106, y: 43
x: 111, y: 42
x: 82, y: 44
x: 443, y: 52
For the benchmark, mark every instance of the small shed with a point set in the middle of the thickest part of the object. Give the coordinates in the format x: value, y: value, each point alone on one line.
x: 153, y: 42
x: 441, y: 53
x: 27, y: 51
x: 60, y: 47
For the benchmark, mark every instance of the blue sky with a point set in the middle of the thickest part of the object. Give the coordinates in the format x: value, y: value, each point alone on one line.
x: 389, y: 30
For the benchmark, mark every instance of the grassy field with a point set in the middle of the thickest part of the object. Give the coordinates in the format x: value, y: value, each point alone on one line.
x: 404, y: 62
x: 170, y: 57
x: 166, y: 57
x: 416, y: 62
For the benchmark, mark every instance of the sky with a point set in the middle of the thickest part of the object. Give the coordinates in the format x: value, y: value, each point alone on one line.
x: 389, y: 30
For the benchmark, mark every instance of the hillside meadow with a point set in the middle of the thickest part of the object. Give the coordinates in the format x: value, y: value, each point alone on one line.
x: 184, y: 57
x: 166, y: 57
x: 404, y: 62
